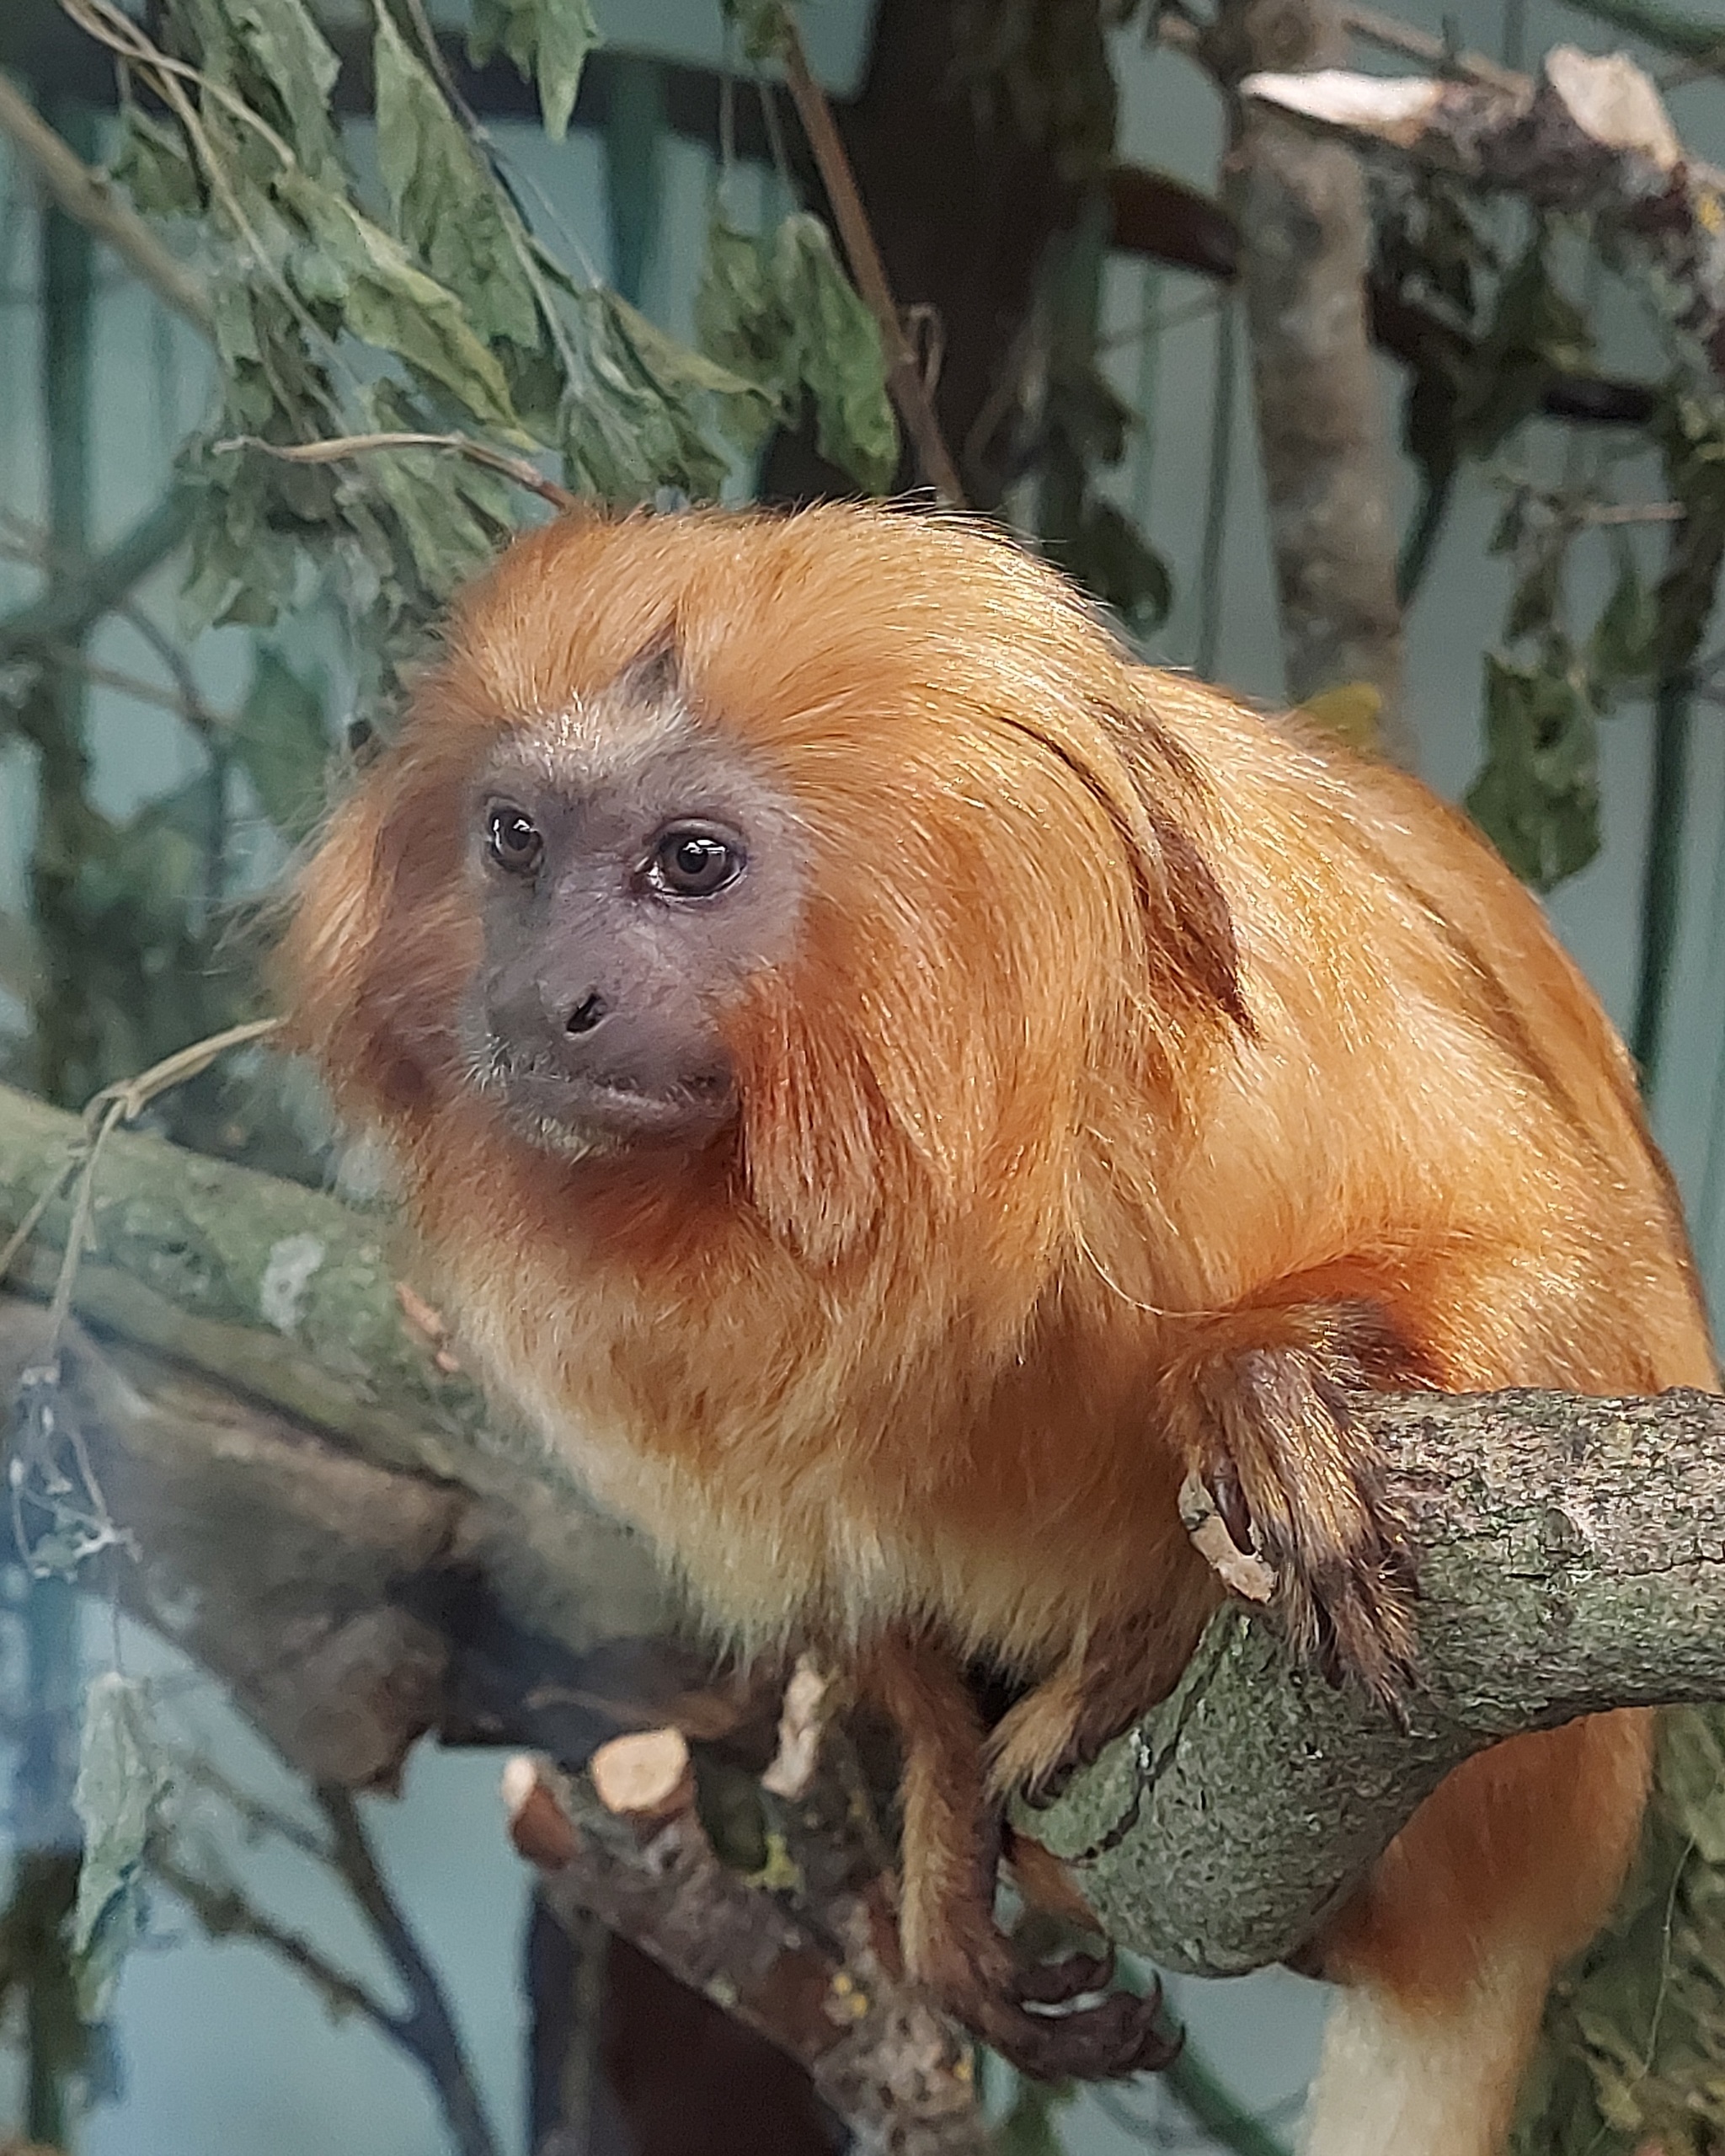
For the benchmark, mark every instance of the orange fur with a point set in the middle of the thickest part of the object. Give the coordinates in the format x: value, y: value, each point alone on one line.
x: 1142, y: 1071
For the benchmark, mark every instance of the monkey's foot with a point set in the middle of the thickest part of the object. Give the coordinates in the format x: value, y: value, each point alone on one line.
x: 1120, y: 2035
x: 1129, y: 1665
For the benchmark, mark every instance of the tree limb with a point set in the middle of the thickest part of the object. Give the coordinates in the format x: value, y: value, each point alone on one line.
x: 75, y: 598
x: 1590, y: 134
x: 1300, y: 207
x: 427, y: 2031
x: 829, y: 1994
x: 361, y: 1573
x: 1571, y: 1554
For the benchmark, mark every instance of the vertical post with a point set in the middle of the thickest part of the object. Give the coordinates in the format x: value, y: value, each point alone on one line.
x: 48, y: 1842
x: 54, y: 716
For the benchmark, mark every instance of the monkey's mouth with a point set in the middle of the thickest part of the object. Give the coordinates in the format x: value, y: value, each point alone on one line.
x: 574, y: 1114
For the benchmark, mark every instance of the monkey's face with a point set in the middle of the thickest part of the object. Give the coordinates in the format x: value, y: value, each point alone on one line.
x: 633, y: 870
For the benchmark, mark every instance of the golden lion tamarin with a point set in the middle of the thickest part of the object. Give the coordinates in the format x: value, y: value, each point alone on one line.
x: 893, y: 1086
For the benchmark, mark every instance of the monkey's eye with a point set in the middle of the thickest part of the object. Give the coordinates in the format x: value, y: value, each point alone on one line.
x: 693, y: 864
x: 512, y: 839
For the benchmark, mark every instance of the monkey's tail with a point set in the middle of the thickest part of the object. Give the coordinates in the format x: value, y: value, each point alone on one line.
x: 1401, y: 2080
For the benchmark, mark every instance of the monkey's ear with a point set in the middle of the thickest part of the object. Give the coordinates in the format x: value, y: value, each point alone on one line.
x: 655, y: 673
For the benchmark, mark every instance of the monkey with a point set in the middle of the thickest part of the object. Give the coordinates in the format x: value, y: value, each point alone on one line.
x: 893, y: 1086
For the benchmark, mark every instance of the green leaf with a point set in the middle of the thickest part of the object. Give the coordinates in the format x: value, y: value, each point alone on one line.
x: 1109, y: 558
x: 445, y: 203
x: 1535, y: 332
x: 1539, y: 590
x: 839, y: 354
x: 390, y: 303
x: 154, y: 871
x: 1537, y: 797
x: 624, y: 434
x: 739, y: 322
x: 122, y: 1783
x: 1690, y: 430
x: 548, y: 40
x: 281, y: 740
x: 294, y: 60
x: 150, y: 163
x: 760, y: 23
x: 1028, y: 2128
x: 1620, y: 653
x: 1092, y: 422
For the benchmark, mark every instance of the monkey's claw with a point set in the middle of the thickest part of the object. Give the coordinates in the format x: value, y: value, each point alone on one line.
x: 1121, y: 2034
x: 1056, y: 1983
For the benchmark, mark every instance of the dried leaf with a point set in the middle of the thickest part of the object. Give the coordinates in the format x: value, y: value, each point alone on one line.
x: 293, y: 55
x: 740, y: 321
x: 123, y: 1780
x: 390, y: 303
x: 1351, y: 712
x: 151, y: 162
x: 761, y: 25
x: 625, y: 433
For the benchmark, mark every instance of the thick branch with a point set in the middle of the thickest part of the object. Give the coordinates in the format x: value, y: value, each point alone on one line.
x: 1591, y: 135
x: 366, y: 1560
x: 1570, y: 1556
x: 1300, y: 207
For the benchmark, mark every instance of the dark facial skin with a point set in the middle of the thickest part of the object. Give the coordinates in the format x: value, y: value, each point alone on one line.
x: 633, y: 870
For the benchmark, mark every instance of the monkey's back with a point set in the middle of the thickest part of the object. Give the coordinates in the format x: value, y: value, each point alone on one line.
x: 1435, y: 1095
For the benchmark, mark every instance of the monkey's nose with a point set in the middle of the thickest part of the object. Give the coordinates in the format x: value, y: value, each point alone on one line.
x: 590, y: 1013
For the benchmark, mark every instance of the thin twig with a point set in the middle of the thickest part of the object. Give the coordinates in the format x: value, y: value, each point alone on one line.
x: 131, y: 1096
x: 74, y: 601
x: 1160, y: 321
x: 32, y: 544
x: 197, y: 716
x: 224, y: 1913
x: 193, y: 1770
x: 1390, y: 36
x: 86, y: 196
x: 427, y: 2029
x: 909, y: 392
x: 337, y: 446
x: 1224, y: 389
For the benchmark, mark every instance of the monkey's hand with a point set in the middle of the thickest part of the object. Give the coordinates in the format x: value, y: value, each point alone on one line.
x: 1258, y: 1403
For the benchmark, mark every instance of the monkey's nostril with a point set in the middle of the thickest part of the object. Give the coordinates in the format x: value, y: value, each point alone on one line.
x: 586, y: 1015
